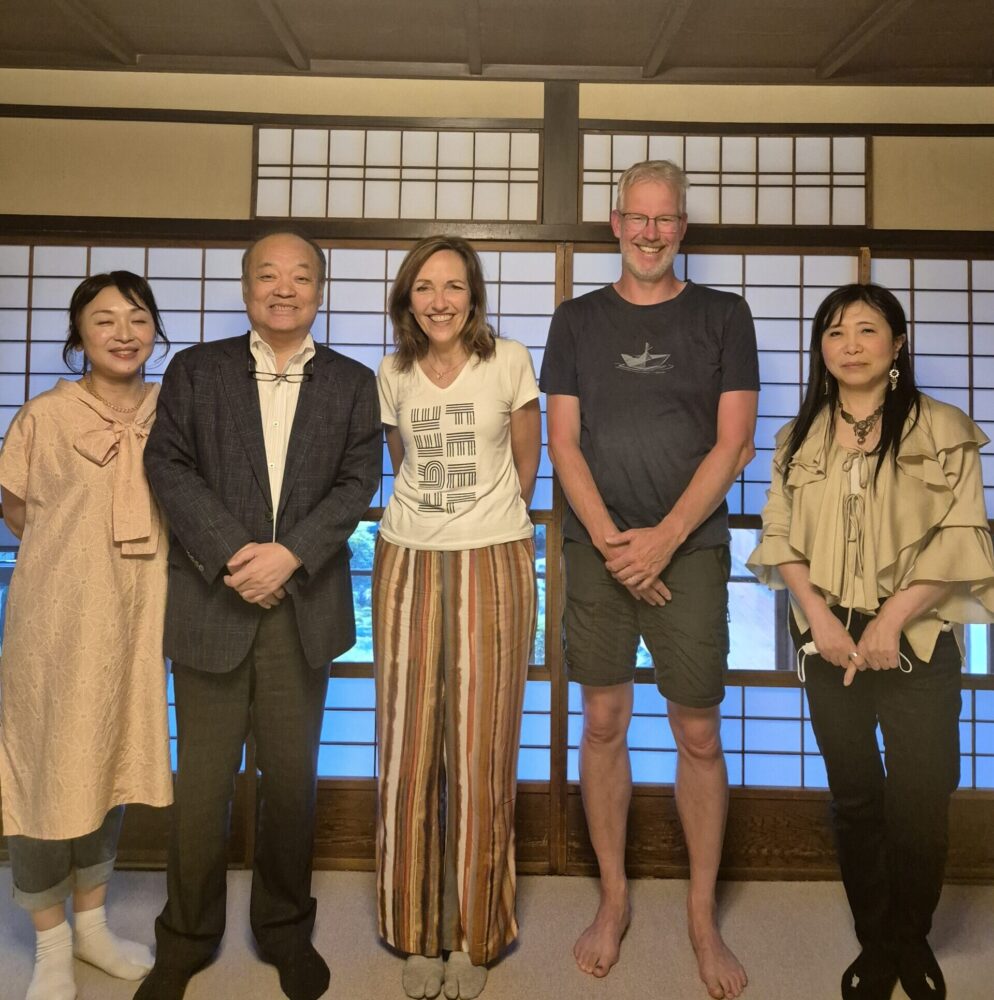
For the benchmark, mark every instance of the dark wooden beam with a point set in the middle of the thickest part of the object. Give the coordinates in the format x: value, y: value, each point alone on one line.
x: 561, y: 153
x: 882, y: 16
x: 673, y: 21
x: 734, y: 239
x: 474, y: 43
x: 277, y: 21
x: 101, y: 32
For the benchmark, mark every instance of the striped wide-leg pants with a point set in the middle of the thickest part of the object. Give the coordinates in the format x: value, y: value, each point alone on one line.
x: 452, y: 635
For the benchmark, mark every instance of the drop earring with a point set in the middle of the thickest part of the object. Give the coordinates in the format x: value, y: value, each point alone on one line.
x: 893, y: 375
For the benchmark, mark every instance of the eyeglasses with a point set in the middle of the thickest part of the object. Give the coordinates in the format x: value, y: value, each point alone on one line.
x: 636, y: 221
x: 305, y: 376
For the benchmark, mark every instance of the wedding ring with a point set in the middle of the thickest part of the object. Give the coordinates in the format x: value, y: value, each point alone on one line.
x: 853, y: 655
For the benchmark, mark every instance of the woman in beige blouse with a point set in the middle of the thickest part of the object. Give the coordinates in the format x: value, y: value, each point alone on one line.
x: 83, y: 709
x: 875, y: 523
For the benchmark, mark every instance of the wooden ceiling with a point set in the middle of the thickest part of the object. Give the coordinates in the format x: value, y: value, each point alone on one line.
x: 936, y: 42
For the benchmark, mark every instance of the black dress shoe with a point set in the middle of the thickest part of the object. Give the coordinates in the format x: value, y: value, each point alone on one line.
x: 303, y: 972
x: 920, y: 974
x: 871, y: 977
x: 163, y: 983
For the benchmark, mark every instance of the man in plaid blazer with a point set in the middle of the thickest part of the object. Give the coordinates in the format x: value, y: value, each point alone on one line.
x: 264, y: 456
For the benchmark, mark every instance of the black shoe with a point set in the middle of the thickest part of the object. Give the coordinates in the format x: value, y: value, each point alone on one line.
x: 920, y: 974
x: 303, y: 972
x: 871, y: 977
x: 163, y: 983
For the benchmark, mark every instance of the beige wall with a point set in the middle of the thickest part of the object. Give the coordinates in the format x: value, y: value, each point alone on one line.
x: 933, y: 183
x: 174, y: 170
x: 862, y: 105
x: 275, y: 94
x: 144, y: 169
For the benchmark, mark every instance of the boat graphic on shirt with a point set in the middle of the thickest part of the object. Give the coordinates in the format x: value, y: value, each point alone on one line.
x: 644, y: 363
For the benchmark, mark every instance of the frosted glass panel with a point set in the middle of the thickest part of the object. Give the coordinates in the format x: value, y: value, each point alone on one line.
x: 417, y: 200
x: 738, y: 205
x: 344, y: 199
x: 776, y: 206
x: 275, y: 145
x: 941, y: 274
x: 60, y: 260
x: 490, y: 201
x: 14, y: 260
x: 811, y: 207
x: 310, y: 145
x: 702, y: 204
x: 736, y: 165
x: 272, y: 197
x: 308, y: 198
x: 703, y: 152
x: 738, y: 153
x: 104, y: 259
x: 344, y: 173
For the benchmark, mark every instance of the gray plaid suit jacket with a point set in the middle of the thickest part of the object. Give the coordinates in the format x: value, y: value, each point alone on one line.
x: 206, y: 461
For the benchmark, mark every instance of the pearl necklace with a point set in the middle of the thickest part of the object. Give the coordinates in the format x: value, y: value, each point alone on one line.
x: 88, y: 386
x: 862, y: 428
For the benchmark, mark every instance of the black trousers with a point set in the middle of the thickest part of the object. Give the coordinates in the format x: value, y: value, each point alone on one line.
x: 891, y: 819
x: 277, y: 697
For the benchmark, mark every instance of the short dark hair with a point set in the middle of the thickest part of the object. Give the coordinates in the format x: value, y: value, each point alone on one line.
x: 411, y: 341
x: 133, y: 287
x: 823, y: 390
x: 322, y: 261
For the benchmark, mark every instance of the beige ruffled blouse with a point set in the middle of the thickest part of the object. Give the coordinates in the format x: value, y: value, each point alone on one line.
x: 923, y: 520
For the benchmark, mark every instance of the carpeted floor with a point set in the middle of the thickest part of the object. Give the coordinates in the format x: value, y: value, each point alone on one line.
x: 794, y: 938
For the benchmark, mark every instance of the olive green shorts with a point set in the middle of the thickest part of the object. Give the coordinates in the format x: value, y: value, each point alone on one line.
x: 687, y: 637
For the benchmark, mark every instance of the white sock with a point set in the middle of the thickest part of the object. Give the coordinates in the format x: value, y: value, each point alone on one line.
x: 463, y: 979
x: 53, y: 975
x: 97, y: 944
x: 422, y: 976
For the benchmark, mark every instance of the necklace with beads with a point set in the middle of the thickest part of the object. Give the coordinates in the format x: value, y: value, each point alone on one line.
x: 88, y: 386
x: 442, y: 375
x: 862, y: 428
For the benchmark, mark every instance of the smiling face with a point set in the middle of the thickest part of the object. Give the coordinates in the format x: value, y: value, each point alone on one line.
x: 648, y: 252
x: 441, y: 301
x: 117, y: 335
x: 281, y: 288
x: 859, y: 348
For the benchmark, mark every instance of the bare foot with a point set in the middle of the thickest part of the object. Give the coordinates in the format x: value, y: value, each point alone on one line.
x: 598, y: 947
x: 720, y: 971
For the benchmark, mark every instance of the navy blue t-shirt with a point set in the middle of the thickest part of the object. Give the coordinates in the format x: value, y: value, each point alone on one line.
x: 648, y: 379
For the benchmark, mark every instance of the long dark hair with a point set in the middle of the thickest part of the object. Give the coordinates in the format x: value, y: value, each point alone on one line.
x: 823, y: 389
x: 411, y: 341
x: 134, y: 288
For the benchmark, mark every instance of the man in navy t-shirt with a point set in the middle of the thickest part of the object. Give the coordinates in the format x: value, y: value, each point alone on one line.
x: 652, y: 387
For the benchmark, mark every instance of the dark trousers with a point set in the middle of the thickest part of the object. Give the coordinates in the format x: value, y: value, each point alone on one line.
x: 277, y: 697
x: 891, y: 824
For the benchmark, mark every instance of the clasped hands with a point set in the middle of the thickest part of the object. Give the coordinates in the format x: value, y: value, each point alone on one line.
x: 259, y: 570
x: 877, y: 649
x: 636, y: 557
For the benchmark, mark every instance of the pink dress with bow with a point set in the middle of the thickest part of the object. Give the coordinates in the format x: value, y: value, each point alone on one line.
x: 82, y: 680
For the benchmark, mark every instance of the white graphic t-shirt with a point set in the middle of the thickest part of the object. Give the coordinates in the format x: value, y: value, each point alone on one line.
x: 457, y: 487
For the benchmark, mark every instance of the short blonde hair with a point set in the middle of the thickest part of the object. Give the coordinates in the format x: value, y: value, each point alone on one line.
x: 660, y: 171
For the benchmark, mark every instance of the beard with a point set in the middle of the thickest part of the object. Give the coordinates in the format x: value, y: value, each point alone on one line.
x: 636, y: 265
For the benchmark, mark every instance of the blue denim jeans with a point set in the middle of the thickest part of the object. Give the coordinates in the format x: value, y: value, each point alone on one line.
x: 46, y: 872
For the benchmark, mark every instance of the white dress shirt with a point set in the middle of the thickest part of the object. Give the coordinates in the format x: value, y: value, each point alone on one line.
x: 278, y: 404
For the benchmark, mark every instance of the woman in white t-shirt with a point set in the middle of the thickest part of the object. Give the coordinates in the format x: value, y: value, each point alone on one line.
x: 453, y: 620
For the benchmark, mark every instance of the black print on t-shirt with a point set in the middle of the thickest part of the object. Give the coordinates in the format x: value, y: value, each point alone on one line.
x: 441, y: 488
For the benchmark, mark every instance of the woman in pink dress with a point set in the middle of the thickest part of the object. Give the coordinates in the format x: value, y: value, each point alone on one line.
x: 83, y: 711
